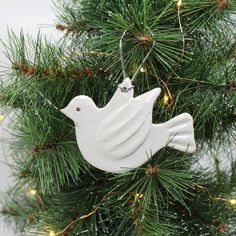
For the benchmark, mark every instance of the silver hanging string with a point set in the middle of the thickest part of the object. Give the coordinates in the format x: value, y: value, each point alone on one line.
x: 122, y: 55
x: 123, y: 61
x: 145, y: 59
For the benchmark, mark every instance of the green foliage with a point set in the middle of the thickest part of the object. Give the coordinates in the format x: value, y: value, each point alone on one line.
x: 208, y: 53
x: 194, y: 62
x: 209, y: 206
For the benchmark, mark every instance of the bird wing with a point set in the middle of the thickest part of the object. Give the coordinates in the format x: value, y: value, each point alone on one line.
x: 124, y: 130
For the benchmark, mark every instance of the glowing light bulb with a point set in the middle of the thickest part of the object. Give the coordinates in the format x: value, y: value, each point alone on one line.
x: 138, y: 196
x: 232, y: 201
x: 52, y: 233
x: 33, y: 192
x: 142, y: 70
x: 166, y: 99
x: 179, y: 3
x: 1, y: 117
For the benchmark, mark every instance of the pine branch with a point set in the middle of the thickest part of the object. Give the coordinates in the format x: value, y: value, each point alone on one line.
x: 165, y: 196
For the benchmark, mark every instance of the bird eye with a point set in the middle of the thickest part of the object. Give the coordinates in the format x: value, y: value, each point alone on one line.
x: 77, y: 109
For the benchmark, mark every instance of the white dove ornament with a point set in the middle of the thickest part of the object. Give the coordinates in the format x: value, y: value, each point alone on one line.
x: 121, y: 136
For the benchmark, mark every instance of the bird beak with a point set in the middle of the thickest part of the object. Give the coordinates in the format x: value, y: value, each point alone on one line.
x: 67, y: 112
x: 63, y: 111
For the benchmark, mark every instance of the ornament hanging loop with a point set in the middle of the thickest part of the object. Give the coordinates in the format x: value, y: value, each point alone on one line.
x: 122, y: 55
x: 123, y: 61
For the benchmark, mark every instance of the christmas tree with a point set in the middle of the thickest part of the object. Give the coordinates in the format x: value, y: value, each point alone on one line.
x: 190, y: 47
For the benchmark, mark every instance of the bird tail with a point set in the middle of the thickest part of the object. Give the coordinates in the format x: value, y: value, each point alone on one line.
x: 181, y: 133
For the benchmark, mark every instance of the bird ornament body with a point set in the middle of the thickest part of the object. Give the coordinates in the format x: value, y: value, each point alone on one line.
x: 121, y: 136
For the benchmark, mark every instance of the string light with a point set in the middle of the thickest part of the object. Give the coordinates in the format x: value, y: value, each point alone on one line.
x: 166, y: 99
x: 138, y: 197
x: 1, y: 117
x: 232, y: 201
x: 179, y: 3
x: 52, y: 233
x: 33, y: 192
x: 142, y: 70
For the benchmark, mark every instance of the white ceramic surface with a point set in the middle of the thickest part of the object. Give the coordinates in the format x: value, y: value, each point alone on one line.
x: 121, y: 135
